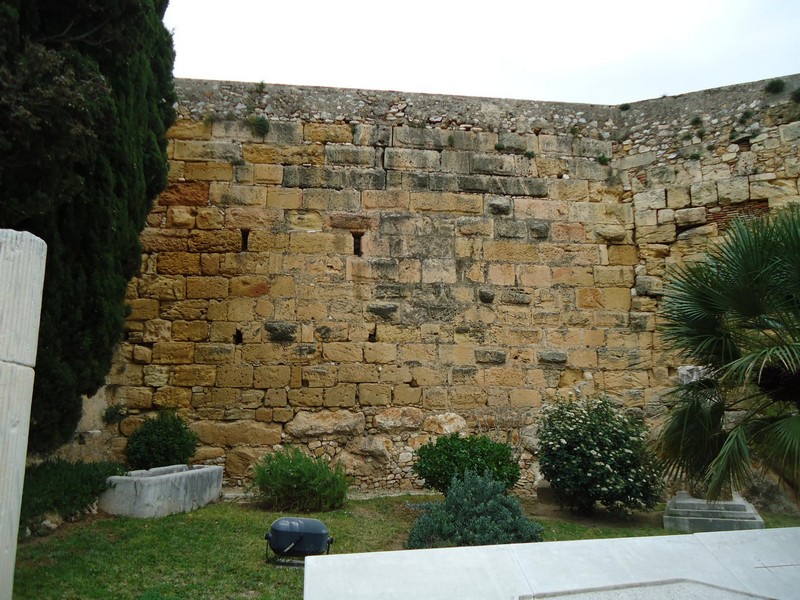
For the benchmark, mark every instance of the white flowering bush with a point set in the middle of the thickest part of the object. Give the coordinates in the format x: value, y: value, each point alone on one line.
x: 592, y: 451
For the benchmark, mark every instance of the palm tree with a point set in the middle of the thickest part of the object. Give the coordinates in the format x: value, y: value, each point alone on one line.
x: 737, y: 313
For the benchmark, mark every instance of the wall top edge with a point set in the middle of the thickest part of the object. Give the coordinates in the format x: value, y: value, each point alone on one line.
x: 203, y: 99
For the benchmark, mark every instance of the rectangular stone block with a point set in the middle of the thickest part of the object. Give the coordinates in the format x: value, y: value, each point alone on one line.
x: 690, y: 216
x: 371, y: 135
x: 508, y: 186
x: 405, y: 395
x: 385, y: 199
x: 272, y: 376
x: 415, y: 137
x: 521, y: 252
x: 187, y: 129
x: 206, y: 287
x: 308, y: 154
x: 232, y: 193
x: 328, y: 133
x: 284, y: 198
x: 402, y: 159
x: 572, y: 190
x: 591, y: 148
x: 143, y: 309
x: 704, y: 193
x: 306, y: 397
x: 733, y: 190
x: 269, y: 174
x: 343, y: 394
x: 778, y: 188
x: 190, y: 331
x: 358, y: 373
x: 374, y: 394
x: 194, y: 375
x: 185, y: 193
x: 208, y: 171
x: 525, y: 398
x: 206, y: 150
x: 345, y: 155
x: 455, y: 162
x: 222, y: 240
x: 179, y: 263
x: 321, y: 243
x: 493, y: 164
x: 555, y: 144
x: 342, y: 352
x: 173, y: 353
x: 319, y: 375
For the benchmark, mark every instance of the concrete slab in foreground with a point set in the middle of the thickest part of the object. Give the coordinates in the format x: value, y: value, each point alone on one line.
x: 733, y: 564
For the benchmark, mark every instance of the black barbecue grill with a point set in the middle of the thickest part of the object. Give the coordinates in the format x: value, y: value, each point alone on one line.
x: 295, y: 537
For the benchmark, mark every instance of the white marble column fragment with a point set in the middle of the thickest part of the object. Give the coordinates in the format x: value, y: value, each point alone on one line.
x: 22, y: 262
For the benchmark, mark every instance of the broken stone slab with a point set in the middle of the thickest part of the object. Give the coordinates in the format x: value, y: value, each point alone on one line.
x: 693, y: 515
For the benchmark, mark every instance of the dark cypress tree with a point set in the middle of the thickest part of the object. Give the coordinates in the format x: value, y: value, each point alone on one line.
x: 86, y: 96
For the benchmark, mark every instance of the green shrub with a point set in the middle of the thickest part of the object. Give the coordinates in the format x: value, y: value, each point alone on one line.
x: 63, y: 487
x: 796, y: 95
x: 291, y: 480
x: 476, y: 512
x: 592, y: 451
x: 160, y: 442
x: 452, y: 455
x: 775, y: 86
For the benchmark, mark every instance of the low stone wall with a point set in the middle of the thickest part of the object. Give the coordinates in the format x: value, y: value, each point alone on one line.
x: 357, y: 271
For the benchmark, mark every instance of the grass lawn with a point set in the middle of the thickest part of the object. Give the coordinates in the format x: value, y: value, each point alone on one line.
x: 218, y: 551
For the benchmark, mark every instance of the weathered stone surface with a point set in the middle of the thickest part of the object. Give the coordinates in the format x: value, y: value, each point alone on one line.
x: 325, y: 423
x: 245, y: 433
x: 445, y: 423
x: 378, y: 252
x: 394, y: 420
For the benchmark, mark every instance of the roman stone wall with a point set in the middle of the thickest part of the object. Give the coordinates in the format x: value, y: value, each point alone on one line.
x: 358, y: 271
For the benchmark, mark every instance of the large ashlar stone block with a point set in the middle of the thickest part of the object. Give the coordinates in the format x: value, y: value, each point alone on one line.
x: 328, y: 133
x: 690, y: 216
x: 326, y: 423
x: 237, y: 433
x: 704, y: 193
x: 310, y: 154
x: 733, y: 190
x: 411, y: 160
x: 763, y: 190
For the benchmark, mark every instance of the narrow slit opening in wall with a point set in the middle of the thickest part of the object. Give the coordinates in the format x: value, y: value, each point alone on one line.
x: 357, y: 235
x: 238, y: 338
x: 245, y: 239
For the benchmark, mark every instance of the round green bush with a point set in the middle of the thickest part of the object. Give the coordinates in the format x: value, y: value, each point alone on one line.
x: 476, y: 512
x: 592, y: 451
x: 451, y: 455
x: 291, y: 480
x: 160, y: 442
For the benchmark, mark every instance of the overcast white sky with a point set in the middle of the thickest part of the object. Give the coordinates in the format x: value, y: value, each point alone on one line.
x: 606, y: 52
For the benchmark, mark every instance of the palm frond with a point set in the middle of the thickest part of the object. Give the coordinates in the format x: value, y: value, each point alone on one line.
x: 777, y: 443
x: 732, y: 466
x: 692, y: 434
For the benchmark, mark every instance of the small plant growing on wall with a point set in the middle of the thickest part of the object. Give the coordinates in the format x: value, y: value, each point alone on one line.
x: 160, y: 442
x: 259, y: 125
x: 113, y: 414
x: 451, y: 455
x: 593, y: 451
x: 776, y: 86
x: 603, y: 159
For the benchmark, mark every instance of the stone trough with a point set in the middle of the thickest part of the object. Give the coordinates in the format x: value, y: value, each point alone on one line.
x: 162, y: 491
